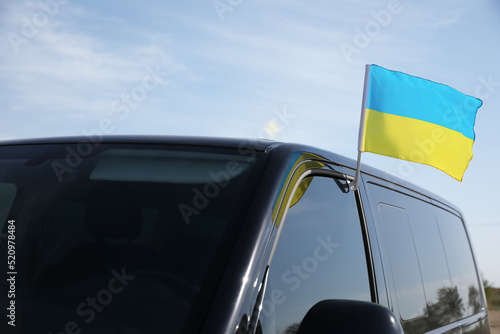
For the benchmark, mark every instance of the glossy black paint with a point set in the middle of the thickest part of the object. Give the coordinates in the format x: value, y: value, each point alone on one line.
x: 237, y: 291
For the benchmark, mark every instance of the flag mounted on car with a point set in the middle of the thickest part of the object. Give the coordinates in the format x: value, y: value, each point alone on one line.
x: 418, y: 120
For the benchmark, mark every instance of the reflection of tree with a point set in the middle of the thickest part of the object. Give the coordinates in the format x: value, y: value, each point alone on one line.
x: 292, y: 329
x: 452, y: 299
x: 448, y: 308
x: 474, y: 299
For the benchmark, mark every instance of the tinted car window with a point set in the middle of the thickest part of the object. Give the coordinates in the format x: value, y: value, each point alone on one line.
x: 439, y: 292
x: 320, y: 255
x: 398, y: 238
x: 432, y: 267
x: 460, y: 263
x: 118, y: 238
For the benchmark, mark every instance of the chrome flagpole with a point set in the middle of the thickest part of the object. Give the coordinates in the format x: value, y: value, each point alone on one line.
x: 362, y: 127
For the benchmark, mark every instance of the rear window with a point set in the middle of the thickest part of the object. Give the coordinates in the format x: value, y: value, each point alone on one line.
x: 432, y: 266
x: 117, y: 238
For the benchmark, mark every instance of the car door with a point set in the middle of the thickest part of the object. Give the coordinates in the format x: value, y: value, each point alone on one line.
x: 319, y: 251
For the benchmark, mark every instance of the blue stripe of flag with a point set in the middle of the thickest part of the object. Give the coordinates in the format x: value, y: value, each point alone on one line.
x: 404, y: 95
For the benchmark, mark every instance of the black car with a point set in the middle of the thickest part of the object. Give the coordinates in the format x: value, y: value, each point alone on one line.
x: 129, y: 235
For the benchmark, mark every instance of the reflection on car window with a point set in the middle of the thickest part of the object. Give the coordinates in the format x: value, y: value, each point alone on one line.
x: 431, y: 261
x: 115, y: 242
x: 460, y: 263
x: 439, y: 292
x: 320, y: 255
x: 404, y: 261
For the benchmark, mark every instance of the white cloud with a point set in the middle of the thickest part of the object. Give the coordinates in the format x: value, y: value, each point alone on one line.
x: 60, y: 74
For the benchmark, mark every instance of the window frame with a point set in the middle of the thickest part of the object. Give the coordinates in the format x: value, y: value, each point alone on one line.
x: 320, y: 168
x: 373, y: 202
x: 326, y: 170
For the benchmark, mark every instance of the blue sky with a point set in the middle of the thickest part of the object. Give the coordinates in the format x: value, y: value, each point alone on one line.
x: 286, y: 70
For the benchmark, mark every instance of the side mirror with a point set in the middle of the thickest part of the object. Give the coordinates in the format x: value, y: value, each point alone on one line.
x: 349, y: 316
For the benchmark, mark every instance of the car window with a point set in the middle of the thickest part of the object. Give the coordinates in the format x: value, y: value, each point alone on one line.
x: 126, y: 239
x: 404, y: 262
x: 431, y: 264
x: 460, y: 263
x: 320, y: 255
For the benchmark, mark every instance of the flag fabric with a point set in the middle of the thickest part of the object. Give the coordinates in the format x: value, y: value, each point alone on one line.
x: 418, y: 120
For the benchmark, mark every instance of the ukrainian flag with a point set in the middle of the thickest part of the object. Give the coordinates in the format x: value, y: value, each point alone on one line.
x: 418, y: 120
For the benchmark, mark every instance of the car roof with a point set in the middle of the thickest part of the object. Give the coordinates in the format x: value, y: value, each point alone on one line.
x: 260, y: 145
x: 248, y: 143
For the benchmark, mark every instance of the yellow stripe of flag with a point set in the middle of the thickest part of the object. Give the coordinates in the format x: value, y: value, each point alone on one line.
x: 417, y: 141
